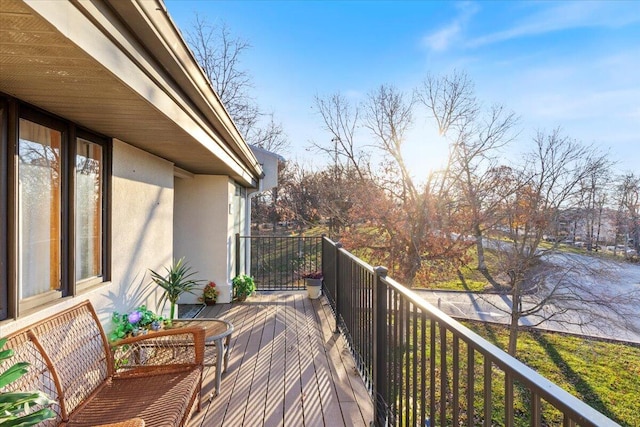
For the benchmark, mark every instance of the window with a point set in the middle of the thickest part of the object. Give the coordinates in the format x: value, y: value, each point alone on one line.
x: 39, y: 217
x: 89, y: 234
x: 55, y: 212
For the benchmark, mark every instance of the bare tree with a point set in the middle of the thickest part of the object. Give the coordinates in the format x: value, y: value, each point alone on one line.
x: 592, y: 197
x: 340, y: 119
x: 219, y: 55
x: 476, y: 138
x: 451, y: 98
x: 270, y: 137
x: 412, y: 234
x: 628, y: 199
x: 544, y: 282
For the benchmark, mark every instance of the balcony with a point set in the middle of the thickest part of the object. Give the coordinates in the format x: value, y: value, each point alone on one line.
x: 286, y: 367
x: 396, y: 361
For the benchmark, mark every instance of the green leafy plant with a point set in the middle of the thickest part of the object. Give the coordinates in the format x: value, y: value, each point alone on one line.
x: 16, y: 406
x: 138, y: 320
x: 176, y: 281
x: 243, y: 286
x: 209, y: 293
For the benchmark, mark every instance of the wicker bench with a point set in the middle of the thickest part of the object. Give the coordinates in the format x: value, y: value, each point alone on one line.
x: 94, y: 383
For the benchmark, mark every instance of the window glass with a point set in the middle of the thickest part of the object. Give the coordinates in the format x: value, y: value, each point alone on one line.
x: 39, y: 213
x: 88, y: 219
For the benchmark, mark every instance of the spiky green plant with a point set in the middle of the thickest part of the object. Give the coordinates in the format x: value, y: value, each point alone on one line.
x: 16, y: 406
x: 176, y: 281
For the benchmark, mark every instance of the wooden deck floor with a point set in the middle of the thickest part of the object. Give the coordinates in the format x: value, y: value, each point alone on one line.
x: 287, y: 368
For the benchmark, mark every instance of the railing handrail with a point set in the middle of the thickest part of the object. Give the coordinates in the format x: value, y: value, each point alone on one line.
x: 278, y: 262
x: 547, y: 389
x: 539, y: 386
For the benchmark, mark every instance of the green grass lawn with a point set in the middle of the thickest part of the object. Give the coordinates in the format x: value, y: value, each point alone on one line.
x: 468, y: 278
x: 604, y: 375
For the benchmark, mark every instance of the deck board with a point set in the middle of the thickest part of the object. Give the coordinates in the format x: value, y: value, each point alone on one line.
x: 287, y: 368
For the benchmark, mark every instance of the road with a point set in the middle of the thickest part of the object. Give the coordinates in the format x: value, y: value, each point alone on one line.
x: 606, y: 275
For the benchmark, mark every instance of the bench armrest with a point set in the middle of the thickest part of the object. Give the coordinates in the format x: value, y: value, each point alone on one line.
x: 179, y: 347
x: 133, y: 422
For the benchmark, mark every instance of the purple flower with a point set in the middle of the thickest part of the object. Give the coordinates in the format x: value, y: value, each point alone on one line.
x: 134, y: 317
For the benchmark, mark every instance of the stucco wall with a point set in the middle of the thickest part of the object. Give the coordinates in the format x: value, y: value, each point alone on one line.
x: 142, y: 237
x: 201, y: 224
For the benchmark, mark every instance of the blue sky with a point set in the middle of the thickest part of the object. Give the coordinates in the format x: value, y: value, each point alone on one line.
x: 570, y: 64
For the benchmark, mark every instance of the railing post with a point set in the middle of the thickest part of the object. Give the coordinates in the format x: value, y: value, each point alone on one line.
x: 380, y: 368
x: 237, y: 254
x: 322, y: 236
x: 337, y: 292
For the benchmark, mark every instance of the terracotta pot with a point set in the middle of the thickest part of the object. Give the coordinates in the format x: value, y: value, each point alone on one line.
x: 209, y: 301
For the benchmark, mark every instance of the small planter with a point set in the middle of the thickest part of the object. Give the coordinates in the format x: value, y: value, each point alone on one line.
x: 243, y: 287
x: 314, y: 287
x: 210, y: 302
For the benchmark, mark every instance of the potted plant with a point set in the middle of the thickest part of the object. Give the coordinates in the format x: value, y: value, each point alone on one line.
x: 243, y: 286
x: 21, y: 408
x: 178, y: 280
x: 209, y: 294
x: 313, y: 281
x: 138, y: 321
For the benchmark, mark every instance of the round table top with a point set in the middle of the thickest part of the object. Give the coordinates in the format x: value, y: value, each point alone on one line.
x: 213, y: 328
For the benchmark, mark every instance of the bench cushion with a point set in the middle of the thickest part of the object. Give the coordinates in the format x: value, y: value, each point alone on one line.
x: 160, y: 400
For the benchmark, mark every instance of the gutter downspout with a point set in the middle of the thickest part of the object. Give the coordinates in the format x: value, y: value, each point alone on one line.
x: 247, y: 224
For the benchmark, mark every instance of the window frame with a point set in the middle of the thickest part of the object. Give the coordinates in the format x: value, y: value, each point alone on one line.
x: 11, y: 111
x: 4, y: 198
x: 84, y: 284
x: 38, y: 118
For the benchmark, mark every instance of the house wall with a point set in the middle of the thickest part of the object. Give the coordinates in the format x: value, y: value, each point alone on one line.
x: 142, y: 225
x: 142, y: 238
x: 203, y: 208
x: 238, y: 212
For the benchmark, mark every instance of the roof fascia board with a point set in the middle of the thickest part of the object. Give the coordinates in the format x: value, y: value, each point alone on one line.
x: 175, y: 45
x: 98, y: 33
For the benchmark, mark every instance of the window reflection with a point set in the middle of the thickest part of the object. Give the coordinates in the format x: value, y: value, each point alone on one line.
x: 88, y: 219
x: 38, y: 208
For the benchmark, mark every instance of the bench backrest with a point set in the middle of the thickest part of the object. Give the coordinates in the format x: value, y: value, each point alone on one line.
x: 39, y: 376
x: 75, y: 353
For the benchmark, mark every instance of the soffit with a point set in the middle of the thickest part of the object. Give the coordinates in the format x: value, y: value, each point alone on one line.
x: 40, y: 65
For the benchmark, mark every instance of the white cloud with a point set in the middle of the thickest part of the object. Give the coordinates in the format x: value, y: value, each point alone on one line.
x: 566, y: 16
x: 441, y: 39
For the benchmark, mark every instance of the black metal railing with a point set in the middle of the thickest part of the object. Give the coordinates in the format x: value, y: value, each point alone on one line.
x: 278, y: 262
x: 425, y: 369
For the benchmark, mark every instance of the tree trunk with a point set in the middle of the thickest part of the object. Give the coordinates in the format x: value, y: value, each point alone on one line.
x: 515, y: 317
x: 636, y: 234
x: 415, y: 262
x: 513, y: 335
x: 482, y: 265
